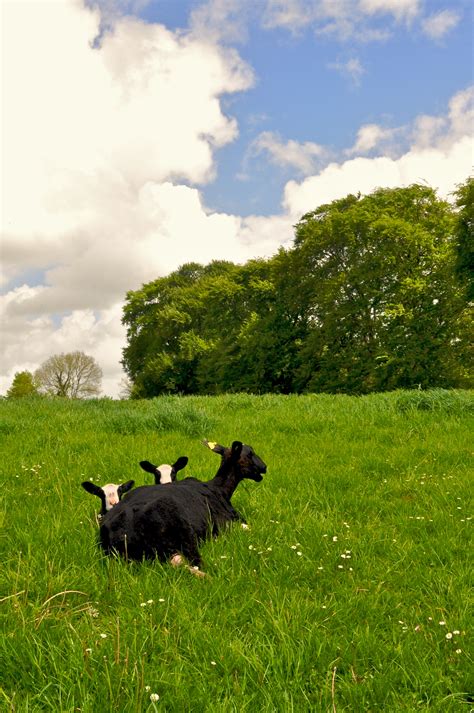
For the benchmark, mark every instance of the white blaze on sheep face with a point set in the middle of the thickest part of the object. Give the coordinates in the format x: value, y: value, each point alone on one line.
x: 111, y: 495
x: 165, y: 473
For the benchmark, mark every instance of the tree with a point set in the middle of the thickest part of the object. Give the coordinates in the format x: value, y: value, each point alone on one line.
x: 384, y: 303
x: 75, y: 375
x: 464, y: 234
x: 366, y: 299
x: 23, y: 384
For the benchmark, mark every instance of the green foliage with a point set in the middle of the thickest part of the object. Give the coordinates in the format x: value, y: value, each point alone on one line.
x: 465, y: 236
x: 283, y: 621
x: 384, y: 301
x: 366, y: 300
x: 23, y: 384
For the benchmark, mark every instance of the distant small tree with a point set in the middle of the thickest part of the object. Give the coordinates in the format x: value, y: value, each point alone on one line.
x: 23, y: 384
x: 75, y: 376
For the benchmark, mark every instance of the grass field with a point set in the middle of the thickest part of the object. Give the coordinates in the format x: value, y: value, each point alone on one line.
x: 350, y: 592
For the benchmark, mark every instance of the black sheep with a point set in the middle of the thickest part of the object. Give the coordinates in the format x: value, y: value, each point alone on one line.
x: 155, y: 521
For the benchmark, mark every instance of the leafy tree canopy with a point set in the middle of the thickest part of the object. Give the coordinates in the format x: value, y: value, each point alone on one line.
x: 367, y: 298
x: 23, y: 384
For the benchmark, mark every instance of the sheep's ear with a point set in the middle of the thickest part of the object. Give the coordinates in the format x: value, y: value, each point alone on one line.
x: 93, y: 489
x: 236, y: 449
x: 181, y: 463
x: 125, y: 487
x: 149, y: 467
x: 214, y: 447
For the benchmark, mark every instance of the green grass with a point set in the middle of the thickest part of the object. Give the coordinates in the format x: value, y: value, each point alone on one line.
x: 283, y: 622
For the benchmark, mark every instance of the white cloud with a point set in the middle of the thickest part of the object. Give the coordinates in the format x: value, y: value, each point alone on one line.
x: 438, y: 25
x: 30, y: 340
x: 443, y: 161
x: 372, y: 137
x: 304, y: 157
x: 400, y: 9
x: 221, y: 20
x: 93, y: 138
x: 344, y: 19
x: 353, y: 69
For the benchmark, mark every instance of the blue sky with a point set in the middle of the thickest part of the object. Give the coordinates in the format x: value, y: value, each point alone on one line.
x: 300, y: 94
x: 142, y: 134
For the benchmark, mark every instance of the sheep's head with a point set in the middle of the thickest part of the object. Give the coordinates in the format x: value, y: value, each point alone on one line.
x: 164, y: 473
x: 242, y: 456
x: 109, y: 494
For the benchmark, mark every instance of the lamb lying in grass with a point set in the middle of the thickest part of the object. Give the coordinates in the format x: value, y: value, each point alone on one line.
x: 109, y: 494
x: 164, y: 473
x: 170, y: 522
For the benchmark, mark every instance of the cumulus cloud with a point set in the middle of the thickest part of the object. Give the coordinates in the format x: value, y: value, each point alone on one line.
x: 29, y: 340
x: 97, y: 138
x: 443, y: 161
x: 438, y: 25
x: 303, y: 157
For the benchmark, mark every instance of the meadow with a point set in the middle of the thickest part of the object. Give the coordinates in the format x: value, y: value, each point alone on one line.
x: 349, y: 592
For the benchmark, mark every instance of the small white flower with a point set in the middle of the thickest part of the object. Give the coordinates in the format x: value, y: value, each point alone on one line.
x: 320, y: 568
x: 150, y: 601
x: 269, y: 549
x: 161, y: 599
x: 442, y: 623
x: 213, y: 663
x: 103, y: 636
x: 88, y: 651
x: 293, y: 547
x: 250, y: 547
x: 457, y: 632
x: 143, y: 604
x: 459, y: 651
x: 334, y: 539
x: 340, y: 566
x: 147, y: 689
x: 154, y: 697
x: 449, y: 635
x: 299, y: 553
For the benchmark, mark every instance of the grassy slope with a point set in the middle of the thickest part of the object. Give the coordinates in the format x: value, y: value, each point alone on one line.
x: 283, y: 622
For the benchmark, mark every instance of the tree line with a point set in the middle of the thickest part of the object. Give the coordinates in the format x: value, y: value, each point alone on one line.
x: 374, y: 294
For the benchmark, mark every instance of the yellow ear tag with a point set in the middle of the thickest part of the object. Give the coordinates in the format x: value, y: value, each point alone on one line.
x: 211, y: 445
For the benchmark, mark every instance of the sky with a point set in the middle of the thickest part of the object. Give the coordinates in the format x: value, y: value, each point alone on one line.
x: 138, y: 135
